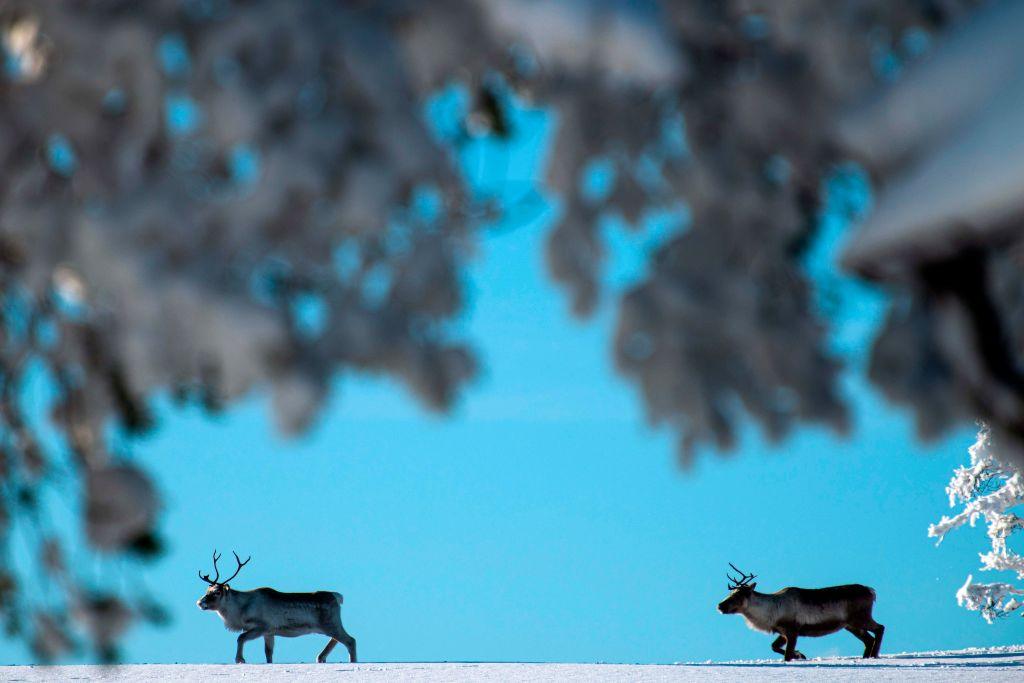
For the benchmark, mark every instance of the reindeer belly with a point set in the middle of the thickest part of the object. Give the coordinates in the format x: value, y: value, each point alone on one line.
x: 821, y: 628
x: 293, y: 632
x: 294, y: 621
x: 821, y: 620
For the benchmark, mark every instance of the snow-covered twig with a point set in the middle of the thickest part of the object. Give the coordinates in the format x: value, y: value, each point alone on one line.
x: 993, y: 600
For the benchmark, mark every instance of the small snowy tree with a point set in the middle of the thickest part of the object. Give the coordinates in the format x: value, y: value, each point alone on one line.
x: 989, y: 487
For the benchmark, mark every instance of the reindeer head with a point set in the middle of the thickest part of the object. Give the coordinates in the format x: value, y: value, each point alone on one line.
x: 218, y: 589
x: 741, y: 589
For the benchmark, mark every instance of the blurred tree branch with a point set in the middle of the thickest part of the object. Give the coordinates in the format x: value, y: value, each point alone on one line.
x: 204, y: 198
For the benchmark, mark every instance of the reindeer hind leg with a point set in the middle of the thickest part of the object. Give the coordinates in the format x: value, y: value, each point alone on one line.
x: 864, y: 637
x: 339, y: 635
x: 322, y: 657
x: 348, y: 641
x: 877, y: 629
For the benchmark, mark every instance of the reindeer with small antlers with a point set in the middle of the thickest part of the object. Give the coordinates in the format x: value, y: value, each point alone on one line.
x: 793, y: 612
x: 265, y: 612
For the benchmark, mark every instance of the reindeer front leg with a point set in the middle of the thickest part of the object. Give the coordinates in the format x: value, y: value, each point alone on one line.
x: 791, y: 652
x: 268, y: 648
x: 777, y: 646
x: 244, y: 636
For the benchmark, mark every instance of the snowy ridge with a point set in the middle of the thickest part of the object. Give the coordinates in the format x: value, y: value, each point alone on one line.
x: 1004, y: 654
x: 972, y: 664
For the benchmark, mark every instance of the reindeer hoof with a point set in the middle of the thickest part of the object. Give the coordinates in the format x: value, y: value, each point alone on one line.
x: 800, y: 655
x: 321, y: 660
x: 239, y: 660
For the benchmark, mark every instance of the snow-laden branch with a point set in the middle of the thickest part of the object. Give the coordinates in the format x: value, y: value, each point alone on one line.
x: 992, y: 507
x: 993, y: 600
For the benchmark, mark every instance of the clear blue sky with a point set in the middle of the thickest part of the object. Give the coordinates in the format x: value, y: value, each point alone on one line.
x: 543, y: 520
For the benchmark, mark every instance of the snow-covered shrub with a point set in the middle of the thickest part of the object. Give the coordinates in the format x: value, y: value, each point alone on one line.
x: 987, y: 488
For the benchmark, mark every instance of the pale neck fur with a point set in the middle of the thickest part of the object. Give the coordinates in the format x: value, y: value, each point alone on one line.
x: 762, y: 611
x: 231, y: 607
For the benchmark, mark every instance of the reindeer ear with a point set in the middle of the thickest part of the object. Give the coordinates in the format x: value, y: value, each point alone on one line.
x: 753, y: 585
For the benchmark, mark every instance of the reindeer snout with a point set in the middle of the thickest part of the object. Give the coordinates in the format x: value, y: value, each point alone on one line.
x: 201, y: 603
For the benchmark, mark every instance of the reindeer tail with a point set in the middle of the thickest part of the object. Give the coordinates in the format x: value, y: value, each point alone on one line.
x: 339, y: 597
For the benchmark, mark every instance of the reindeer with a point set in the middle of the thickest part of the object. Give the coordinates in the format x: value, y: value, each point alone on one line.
x: 793, y: 612
x: 266, y: 612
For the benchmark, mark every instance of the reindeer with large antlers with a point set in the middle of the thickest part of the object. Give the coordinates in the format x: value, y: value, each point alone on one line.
x: 265, y: 612
x: 793, y: 612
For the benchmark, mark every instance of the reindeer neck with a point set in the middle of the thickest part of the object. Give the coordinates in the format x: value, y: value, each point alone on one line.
x: 761, y: 610
x: 232, y: 608
x: 234, y: 600
x: 764, y: 600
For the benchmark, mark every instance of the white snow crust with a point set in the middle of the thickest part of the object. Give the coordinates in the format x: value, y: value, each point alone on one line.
x: 974, y: 664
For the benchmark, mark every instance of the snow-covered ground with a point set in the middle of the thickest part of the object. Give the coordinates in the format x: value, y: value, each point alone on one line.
x: 975, y: 664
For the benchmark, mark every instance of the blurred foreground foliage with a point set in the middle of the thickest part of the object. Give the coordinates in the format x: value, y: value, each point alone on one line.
x: 205, y: 198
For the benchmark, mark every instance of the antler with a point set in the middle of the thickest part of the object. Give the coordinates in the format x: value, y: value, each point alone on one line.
x: 738, y: 583
x: 240, y: 565
x: 216, y: 579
